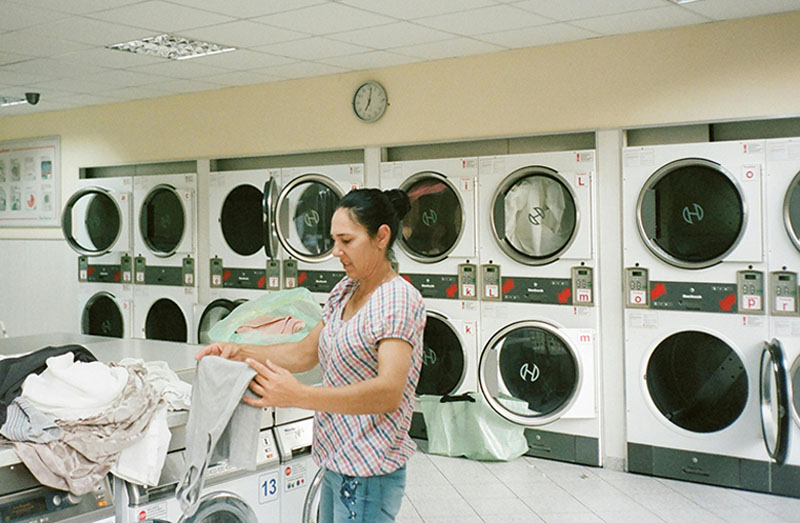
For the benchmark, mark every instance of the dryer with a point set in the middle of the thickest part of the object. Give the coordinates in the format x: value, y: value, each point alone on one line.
x: 221, y: 303
x: 439, y: 232
x: 303, y: 213
x: 97, y: 224
x: 538, y: 218
x: 164, y: 313
x: 165, y: 235
x: 105, y: 309
x: 243, y: 241
x: 538, y: 368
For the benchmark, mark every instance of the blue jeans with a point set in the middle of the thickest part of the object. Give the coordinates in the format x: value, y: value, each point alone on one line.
x: 345, y: 499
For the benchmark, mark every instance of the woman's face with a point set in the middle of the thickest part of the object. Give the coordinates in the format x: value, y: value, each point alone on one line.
x: 361, y: 256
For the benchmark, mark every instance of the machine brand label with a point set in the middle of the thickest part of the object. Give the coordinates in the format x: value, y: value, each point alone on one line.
x: 694, y: 214
x: 244, y: 278
x: 693, y: 296
x: 311, y: 218
x: 434, y: 285
x: 536, y: 216
x: 555, y: 291
x: 430, y: 217
x: 429, y: 356
x: 318, y: 281
x: 529, y: 372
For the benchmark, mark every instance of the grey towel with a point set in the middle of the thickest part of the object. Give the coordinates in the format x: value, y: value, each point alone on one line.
x: 220, y: 425
x: 24, y: 422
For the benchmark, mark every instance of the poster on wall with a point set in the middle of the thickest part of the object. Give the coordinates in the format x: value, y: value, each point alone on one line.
x: 30, y: 182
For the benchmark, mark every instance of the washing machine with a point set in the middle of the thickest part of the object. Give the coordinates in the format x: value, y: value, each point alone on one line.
x: 105, y: 309
x: 692, y: 218
x: 538, y: 368
x: 165, y: 234
x: 243, y: 241
x: 164, y: 313
x: 300, y: 477
x: 97, y: 224
x: 221, y: 302
x: 538, y: 217
x: 302, y: 213
x: 693, y: 396
x: 439, y: 232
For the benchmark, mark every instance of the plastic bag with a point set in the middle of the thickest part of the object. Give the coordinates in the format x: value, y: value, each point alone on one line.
x: 464, y: 426
x: 298, y: 303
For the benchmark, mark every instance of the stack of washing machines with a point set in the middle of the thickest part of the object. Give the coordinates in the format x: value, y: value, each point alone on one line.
x: 510, y: 316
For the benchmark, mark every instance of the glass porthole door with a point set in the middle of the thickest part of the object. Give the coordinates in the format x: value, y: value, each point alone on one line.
x: 165, y: 321
x: 217, y: 310
x: 241, y: 220
x: 102, y: 317
x: 92, y: 222
x: 791, y: 211
x: 443, y: 358
x: 774, y: 399
x: 162, y: 220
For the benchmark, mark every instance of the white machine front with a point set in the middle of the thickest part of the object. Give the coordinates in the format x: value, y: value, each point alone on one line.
x: 450, y: 348
x: 303, y: 214
x: 692, y: 381
x: 298, y: 472
x: 539, y: 373
x: 537, y: 210
x: 106, y: 309
x: 694, y: 206
x: 166, y: 228
x: 439, y: 231
x: 241, y: 234
x: 163, y: 312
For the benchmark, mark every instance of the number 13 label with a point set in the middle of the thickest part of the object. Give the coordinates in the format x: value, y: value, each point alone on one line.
x: 268, y: 487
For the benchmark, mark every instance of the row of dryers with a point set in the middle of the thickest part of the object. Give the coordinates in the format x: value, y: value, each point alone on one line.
x: 712, y: 326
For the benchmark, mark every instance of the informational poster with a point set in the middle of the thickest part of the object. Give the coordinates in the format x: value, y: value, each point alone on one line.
x: 30, y: 182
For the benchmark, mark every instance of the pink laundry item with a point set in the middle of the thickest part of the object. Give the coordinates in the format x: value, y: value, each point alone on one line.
x: 267, y: 324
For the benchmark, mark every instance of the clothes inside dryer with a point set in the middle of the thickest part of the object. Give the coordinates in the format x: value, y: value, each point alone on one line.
x: 434, y: 224
x: 697, y: 381
x: 92, y: 222
x: 165, y: 321
x: 443, y: 362
x: 162, y: 220
x: 101, y: 317
x: 241, y: 220
x: 691, y: 213
x: 312, y: 204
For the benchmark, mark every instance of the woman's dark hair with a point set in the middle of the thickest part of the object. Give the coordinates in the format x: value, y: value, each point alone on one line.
x: 374, y: 207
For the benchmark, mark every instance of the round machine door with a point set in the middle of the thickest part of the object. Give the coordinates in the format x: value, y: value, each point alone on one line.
x: 166, y: 321
x: 443, y: 358
x: 162, y: 220
x: 791, y: 211
x: 303, y: 212
x: 215, y: 311
x: 92, y: 221
x: 530, y: 373
x: 221, y: 507
x: 311, y: 503
x: 534, y: 215
x: 435, y: 222
x: 269, y: 228
x: 774, y: 401
x: 697, y: 381
x: 241, y: 220
x: 102, y: 317
x: 691, y: 213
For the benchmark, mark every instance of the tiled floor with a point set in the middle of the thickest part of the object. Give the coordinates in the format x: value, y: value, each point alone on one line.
x: 441, y: 489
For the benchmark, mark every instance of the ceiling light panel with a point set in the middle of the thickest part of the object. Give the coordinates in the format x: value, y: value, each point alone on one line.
x: 171, y: 47
x: 8, y: 101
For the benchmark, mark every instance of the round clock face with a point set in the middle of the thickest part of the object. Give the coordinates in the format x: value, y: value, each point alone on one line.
x: 370, y: 101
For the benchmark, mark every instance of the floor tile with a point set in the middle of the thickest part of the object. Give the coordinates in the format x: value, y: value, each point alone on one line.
x: 579, y: 517
x: 696, y: 515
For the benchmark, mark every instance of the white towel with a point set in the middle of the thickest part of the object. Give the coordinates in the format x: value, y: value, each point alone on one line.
x: 174, y: 391
x: 141, y: 463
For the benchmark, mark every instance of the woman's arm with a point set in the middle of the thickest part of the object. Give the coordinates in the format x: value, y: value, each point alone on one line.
x: 298, y: 356
x: 382, y: 394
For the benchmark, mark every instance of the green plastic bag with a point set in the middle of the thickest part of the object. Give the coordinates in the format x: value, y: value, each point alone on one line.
x: 466, y: 426
x: 298, y: 303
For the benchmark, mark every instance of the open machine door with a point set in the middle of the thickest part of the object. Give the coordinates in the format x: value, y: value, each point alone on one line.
x: 774, y: 396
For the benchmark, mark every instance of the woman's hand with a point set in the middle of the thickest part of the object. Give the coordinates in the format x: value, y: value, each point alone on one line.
x: 275, y: 386
x: 229, y: 351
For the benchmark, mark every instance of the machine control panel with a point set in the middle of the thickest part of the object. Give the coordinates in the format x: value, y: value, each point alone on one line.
x: 267, y: 449
x: 491, y: 289
x: 750, y: 289
x: 467, y: 281
x: 215, y: 268
x: 289, y: 274
x: 126, y: 268
x: 83, y: 268
x: 188, y: 272
x: 783, y: 290
x: 582, y: 286
x: 47, y: 504
x: 139, y: 269
x: 294, y: 438
x: 273, y: 275
x: 636, y: 288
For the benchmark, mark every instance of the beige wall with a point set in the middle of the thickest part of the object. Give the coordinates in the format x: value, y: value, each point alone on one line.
x: 729, y: 70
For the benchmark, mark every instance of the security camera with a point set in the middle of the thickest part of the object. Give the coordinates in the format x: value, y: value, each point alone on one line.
x: 32, y: 98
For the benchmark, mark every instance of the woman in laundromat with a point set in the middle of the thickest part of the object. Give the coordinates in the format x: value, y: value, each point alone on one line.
x: 369, y: 346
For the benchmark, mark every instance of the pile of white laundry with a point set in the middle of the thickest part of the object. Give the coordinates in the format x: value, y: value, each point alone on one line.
x: 76, y: 421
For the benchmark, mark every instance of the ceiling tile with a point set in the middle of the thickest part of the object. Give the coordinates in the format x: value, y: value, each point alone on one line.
x: 374, y: 59
x: 448, y: 48
x: 248, y: 8
x: 31, y: 42
x: 301, y: 70
x: 160, y: 17
x: 578, y: 9
x: 242, y: 59
x: 645, y: 20
x: 13, y: 78
x: 10, y: 58
x: 90, y: 99
x: 392, y: 35
x: 484, y: 20
x: 109, y: 58
x: 123, y: 78
x: 325, y: 19
x: 137, y: 92
x: 313, y: 48
x: 18, y: 16
x: 73, y: 85
x: 727, y: 9
x: 243, y: 33
x: 179, y: 69
x: 76, y: 6
x: 540, y: 35
x: 54, y: 68
x: 235, y: 78
x: 186, y: 86
x: 411, y: 9
x: 90, y: 31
